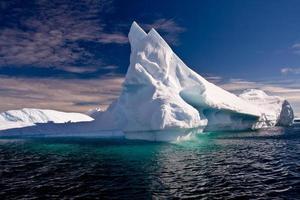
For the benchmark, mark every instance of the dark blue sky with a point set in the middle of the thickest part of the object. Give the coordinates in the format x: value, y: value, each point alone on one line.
x: 249, y: 39
x: 241, y: 39
x: 87, y: 40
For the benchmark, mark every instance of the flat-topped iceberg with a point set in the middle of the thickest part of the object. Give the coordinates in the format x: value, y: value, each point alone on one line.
x: 29, y: 117
x: 163, y: 99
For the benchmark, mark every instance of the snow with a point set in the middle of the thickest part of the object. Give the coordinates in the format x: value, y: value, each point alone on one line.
x: 30, y: 116
x: 163, y: 99
x: 274, y: 110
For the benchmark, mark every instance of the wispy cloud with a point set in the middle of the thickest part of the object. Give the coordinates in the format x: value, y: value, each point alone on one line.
x: 290, y: 70
x: 118, y: 38
x: 67, y: 95
x: 214, y: 79
x: 64, y: 34
x: 168, y: 27
x: 296, y: 48
x: 53, y: 33
x: 296, y: 45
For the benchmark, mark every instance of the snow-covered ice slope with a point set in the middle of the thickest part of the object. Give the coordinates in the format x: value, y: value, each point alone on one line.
x: 30, y: 116
x: 274, y: 110
x: 160, y: 92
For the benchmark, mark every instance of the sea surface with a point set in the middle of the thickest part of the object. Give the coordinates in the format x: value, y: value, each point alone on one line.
x: 228, y: 165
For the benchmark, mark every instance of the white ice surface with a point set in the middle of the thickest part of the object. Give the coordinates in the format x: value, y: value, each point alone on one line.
x: 30, y: 116
x: 274, y: 110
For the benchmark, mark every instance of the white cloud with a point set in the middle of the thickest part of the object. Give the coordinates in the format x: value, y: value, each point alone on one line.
x: 290, y: 70
x: 168, y: 27
x: 296, y: 48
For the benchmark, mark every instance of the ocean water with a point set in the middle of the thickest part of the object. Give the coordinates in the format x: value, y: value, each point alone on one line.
x: 228, y: 165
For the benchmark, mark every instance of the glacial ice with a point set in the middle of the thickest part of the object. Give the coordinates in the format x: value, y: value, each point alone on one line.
x: 161, y: 93
x: 30, y: 116
x: 163, y: 99
x: 274, y: 110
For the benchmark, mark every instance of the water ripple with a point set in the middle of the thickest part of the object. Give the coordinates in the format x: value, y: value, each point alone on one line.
x: 212, y: 166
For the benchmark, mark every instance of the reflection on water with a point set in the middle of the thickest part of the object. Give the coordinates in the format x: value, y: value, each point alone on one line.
x: 244, y: 165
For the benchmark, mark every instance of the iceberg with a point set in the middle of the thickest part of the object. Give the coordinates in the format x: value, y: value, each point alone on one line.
x: 162, y: 99
x: 274, y: 110
x: 30, y: 117
x: 161, y: 93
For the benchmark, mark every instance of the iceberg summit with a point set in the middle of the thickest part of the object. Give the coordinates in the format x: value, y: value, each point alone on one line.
x: 163, y: 99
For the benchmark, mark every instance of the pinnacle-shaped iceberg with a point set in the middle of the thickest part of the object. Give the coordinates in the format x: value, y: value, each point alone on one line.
x: 161, y: 93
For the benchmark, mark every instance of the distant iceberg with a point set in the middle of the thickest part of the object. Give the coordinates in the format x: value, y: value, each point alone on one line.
x: 162, y: 96
x: 30, y: 116
x: 275, y: 111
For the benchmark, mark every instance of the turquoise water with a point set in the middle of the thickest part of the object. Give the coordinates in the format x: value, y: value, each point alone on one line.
x: 231, y: 165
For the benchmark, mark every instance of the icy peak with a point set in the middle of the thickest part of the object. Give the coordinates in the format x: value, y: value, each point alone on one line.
x: 136, y: 34
x: 156, y: 37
